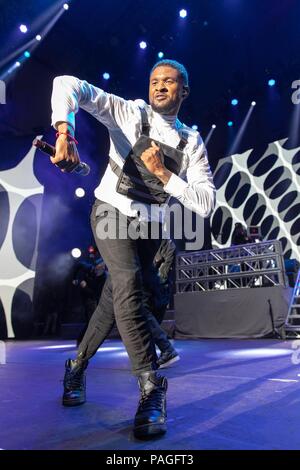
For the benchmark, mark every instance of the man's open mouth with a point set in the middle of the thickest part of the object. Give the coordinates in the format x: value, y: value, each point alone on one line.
x: 160, y: 97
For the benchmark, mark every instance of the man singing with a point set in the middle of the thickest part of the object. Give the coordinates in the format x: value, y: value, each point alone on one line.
x: 152, y: 156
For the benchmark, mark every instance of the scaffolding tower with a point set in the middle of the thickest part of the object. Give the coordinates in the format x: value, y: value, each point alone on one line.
x: 238, y: 267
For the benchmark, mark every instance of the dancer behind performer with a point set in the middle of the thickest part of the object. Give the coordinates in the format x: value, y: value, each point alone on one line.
x: 162, y: 293
x: 239, y: 235
x: 129, y: 260
x: 89, y: 278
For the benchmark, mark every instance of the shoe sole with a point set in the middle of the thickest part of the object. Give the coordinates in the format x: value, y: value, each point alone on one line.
x: 73, y: 403
x: 170, y: 362
x: 151, y: 430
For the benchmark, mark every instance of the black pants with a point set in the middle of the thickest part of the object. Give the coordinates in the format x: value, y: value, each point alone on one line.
x: 129, y: 264
x: 89, y: 306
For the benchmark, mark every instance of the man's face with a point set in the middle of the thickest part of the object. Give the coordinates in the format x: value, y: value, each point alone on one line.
x: 166, y: 90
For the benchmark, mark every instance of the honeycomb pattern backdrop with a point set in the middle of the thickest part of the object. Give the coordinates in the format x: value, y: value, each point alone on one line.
x: 20, y: 209
x: 260, y: 189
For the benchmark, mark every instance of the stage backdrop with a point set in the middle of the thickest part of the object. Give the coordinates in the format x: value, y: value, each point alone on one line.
x: 258, y: 183
x: 260, y: 188
x: 20, y: 208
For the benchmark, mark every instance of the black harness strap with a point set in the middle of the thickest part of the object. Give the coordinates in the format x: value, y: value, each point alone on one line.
x: 146, y: 130
x: 145, y: 122
x: 183, y: 141
x: 134, y: 180
x: 115, y: 167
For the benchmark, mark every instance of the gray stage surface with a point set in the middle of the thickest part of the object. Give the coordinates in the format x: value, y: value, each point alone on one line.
x: 223, y: 394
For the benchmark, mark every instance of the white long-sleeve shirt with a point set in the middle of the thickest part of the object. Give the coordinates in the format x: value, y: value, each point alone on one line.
x: 193, y: 187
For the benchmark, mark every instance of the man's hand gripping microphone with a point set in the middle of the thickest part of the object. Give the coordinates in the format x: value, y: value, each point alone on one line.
x: 67, y: 166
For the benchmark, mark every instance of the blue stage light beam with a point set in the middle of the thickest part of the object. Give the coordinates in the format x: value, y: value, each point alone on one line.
x: 42, y: 25
x: 235, y: 145
x: 14, y: 55
x: 208, y: 137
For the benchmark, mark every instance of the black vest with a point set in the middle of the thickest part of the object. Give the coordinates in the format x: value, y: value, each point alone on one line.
x: 135, y: 180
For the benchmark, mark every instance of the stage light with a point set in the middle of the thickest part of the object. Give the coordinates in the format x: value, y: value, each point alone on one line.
x: 183, y: 13
x: 234, y: 102
x: 210, y: 133
x: 23, y: 28
x: 76, y: 253
x: 38, y: 37
x: 143, y: 45
x: 106, y: 76
x: 195, y: 127
x: 66, y: 6
x: 241, y: 131
x: 17, y: 64
x: 160, y: 55
x: 271, y: 82
x: 80, y: 192
x: 253, y: 353
x: 58, y: 346
x: 110, y: 349
x: 229, y: 123
x: 253, y: 103
x: 121, y: 354
x: 27, y: 54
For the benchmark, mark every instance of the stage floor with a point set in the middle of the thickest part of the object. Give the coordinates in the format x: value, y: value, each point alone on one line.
x: 223, y: 394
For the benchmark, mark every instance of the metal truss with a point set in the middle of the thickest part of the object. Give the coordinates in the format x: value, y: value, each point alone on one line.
x: 242, y: 266
x: 292, y: 325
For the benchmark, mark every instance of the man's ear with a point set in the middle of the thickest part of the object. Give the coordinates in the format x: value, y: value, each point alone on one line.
x: 185, y: 92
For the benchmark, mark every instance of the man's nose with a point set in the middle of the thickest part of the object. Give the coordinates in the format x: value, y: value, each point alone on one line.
x: 160, y: 86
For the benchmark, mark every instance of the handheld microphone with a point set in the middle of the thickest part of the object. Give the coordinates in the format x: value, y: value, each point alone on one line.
x: 81, y: 168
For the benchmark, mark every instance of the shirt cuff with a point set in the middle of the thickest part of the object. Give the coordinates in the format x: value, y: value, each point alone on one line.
x: 63, y: 117
x: 175, y: 186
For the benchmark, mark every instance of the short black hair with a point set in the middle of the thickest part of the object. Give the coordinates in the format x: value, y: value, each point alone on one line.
x: 175, y: 65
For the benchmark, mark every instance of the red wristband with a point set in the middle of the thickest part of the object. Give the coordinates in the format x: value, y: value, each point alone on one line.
x: 69, y: 135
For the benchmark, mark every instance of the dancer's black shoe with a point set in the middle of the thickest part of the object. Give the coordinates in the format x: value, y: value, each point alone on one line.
x: 74, y: 383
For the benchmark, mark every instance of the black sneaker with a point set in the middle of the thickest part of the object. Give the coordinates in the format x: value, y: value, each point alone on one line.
x: 151, y: 416
x: 167, y: 358
x: 74, y: 383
